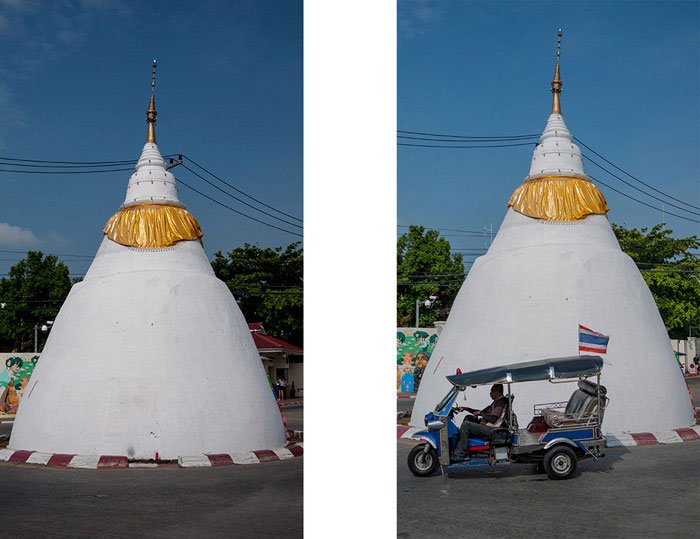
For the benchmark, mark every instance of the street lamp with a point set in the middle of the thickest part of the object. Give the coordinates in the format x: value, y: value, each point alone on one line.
x: 44, y: 329
x: 428, y: 303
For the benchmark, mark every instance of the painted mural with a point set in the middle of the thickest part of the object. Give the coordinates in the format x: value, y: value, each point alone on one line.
x: 413, y: 349
x: 15, y: 371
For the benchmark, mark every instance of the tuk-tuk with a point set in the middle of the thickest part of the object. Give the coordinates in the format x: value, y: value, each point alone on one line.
x: 558, y: 436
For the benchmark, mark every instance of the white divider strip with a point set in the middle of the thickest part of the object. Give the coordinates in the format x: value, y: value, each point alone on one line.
x: 283, y: 453
x: 143, y: 465
x: 39, y: 458
x: 617, y: 440
x: 667, y: 437
x: 84, y: 461
x: 194, y: 461
x: 245, y: 458
x: 5, y: 454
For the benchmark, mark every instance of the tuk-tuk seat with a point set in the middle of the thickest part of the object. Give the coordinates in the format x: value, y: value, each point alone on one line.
x: 580, y: 406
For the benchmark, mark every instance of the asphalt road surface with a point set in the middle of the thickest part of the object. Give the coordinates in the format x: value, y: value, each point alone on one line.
x: 249, y: 501
x: 649, y: 491
x: 294, y: 414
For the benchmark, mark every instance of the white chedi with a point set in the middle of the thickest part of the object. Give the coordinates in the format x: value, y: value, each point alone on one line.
x: 149, y: 355
x: 524, y: 299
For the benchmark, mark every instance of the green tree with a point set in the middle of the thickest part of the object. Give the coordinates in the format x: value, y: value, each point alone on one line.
x: 671, y: 271
x: 32, y: 294
x: 268, y: 285
x: 426, y: 267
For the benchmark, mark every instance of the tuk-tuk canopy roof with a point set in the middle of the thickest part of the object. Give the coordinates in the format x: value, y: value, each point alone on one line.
x: 541, y: 369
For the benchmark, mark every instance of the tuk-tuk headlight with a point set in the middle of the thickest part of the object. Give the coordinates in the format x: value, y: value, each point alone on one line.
x: 434, y: 425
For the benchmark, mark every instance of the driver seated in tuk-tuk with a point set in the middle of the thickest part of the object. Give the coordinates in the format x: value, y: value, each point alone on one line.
x: 480, y: 423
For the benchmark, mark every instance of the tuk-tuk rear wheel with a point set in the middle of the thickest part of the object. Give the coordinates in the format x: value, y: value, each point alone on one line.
x: 560, y: 462
x: 421, y: 462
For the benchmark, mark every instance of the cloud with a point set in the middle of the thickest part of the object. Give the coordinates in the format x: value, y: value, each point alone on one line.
x: 16, y: 236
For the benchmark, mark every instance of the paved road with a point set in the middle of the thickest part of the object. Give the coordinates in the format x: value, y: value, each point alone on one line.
x: 294, y: 414
x: 633, y: 492
x: 251, y: 501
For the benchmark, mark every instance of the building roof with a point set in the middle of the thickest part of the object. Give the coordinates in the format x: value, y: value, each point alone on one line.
x: 265, y: 342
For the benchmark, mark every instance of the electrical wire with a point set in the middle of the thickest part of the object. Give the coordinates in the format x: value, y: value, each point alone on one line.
x: 637, y: 188
x: 65, y: 171
x: 238, y: 199
x: 477, y: 146
x: 631, y: 176
x: 498, y: 137
x: 482, y: 138
x: 637, y: 200
x: 238, y: 190
x: 236, y: 211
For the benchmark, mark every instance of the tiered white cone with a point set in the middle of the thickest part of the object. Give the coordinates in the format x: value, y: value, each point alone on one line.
x: 150, y: 354
x: 554, y: 264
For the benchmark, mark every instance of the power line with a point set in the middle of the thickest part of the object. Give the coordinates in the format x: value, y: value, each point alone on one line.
x: 475, y: 138
x: 446, y: 229
x: 631, y: 176
x: 637, y: 188
x: 496, y: 137
x: 238, y: 190
x: 39, y: 166
x: 435, y: 139
x: 238, y: 212
x: 238, y: 199
x: 45, y: 254
x: 471, y: 146
x: 64, y: 171
x: 121, y: 162
x: 648, y: 205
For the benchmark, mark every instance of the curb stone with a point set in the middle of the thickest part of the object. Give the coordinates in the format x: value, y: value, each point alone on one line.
x: 103, y: 462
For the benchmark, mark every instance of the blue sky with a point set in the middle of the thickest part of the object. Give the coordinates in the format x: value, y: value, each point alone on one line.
x: 631, y: 92
x: 74, y: 86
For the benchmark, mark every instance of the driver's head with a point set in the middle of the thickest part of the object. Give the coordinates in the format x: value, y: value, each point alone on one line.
x: 496, y: 391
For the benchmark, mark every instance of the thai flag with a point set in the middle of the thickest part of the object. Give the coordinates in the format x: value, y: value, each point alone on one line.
x: 592, y: 341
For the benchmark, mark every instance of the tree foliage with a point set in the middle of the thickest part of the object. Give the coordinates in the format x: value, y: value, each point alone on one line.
x: 32, y: 294
x: 268, y: 285
x: 426, y: 267
x: 670, y: 269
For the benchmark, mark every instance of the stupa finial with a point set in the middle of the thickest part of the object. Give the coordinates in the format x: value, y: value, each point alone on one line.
x: 556, y: 83
x: 151, y: 114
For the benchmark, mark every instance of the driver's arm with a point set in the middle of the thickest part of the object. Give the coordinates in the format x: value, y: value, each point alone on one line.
x: 495, y: 412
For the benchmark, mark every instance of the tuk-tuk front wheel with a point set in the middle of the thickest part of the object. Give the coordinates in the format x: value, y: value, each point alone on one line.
x: 560, y: 462
x: 422, y: 460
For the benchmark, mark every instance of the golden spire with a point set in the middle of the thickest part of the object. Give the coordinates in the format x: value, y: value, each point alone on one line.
x: 151, y: 114
x: 556, y: 83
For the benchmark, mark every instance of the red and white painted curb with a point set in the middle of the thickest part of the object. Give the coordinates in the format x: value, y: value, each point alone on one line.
x: 101, y: 462
x: 673, y: 436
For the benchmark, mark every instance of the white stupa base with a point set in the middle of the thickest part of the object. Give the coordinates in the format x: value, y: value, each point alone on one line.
x: 149, y: 355
x: 524, y: 300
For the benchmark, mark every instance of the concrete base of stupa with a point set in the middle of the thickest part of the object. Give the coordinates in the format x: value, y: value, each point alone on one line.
x: 524, y: 300
x: 149, y: 355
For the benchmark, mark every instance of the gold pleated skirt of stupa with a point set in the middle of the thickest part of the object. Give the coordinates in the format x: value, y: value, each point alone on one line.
x: 152, y: 226
x: 558, y: 198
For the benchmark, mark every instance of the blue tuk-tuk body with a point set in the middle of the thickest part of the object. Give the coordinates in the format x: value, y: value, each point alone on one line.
x: 559, y: 435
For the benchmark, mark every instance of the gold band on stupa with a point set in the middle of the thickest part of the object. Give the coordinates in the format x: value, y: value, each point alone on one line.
x: 558, y: 198
x: 152, y: 226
